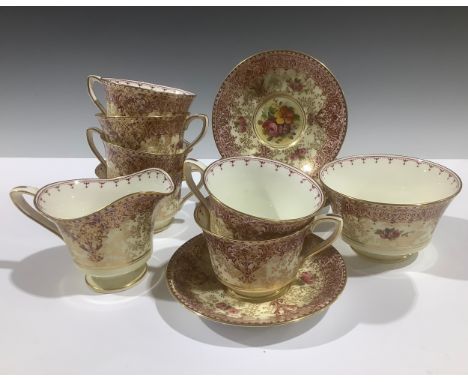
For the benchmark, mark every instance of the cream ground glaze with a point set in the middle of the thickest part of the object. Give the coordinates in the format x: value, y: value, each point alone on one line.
x: 390, y: 204
x: 106, y: 224
x: 262, y: 188
x: 259, y: 269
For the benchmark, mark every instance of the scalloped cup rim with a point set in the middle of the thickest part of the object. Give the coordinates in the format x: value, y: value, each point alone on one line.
x: 150, y: 117
x: 157, y: 88
x: 99, y: 180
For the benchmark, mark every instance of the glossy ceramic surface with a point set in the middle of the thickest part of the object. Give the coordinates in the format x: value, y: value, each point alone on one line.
x: 106, y: 224
x: 281, y: 105
x: 390, y: 204
x: 260, y: 269
x: 136, y: 98
x: 255, y: 198
x: 316, y: 285
x: 156, y: 135
x: 121, y: 161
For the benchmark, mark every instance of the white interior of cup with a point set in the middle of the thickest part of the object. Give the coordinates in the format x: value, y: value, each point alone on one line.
x: 149, y: 86
x: 263, y: 188
x: 390, y: 179
x: 76, y: 198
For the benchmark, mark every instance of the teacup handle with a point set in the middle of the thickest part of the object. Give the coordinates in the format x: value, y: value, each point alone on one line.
x: 189, y: 120
x: 190, y: 193
x: 91, y: 80
x: 329, y: 218
x: 191, y: 165
x: 17, y: 197
x: 90, y: 137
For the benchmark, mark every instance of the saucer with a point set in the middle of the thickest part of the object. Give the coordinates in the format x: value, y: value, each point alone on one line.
x: 281, y: 105
x: 193, y: 283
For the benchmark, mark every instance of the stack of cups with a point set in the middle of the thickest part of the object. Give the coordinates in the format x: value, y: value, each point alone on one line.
x: 255, y: 220
x: 143, y: 126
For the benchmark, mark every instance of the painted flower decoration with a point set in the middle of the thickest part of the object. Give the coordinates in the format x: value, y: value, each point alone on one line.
x: 390, y: 233
x: 295, y: 85
x: 226, y: 308
x: 279, y: 121
x: 281, y: 308
x: 298, y: 154
x: 241, y: 123
x: 307, y: 277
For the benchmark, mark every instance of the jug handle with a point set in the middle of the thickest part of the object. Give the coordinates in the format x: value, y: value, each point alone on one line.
x: 330, y: 218
x: 191, y: 165
x: 89, y: 136
x: 91, y: 80
x: 189, y: 120
x: 17, y: 197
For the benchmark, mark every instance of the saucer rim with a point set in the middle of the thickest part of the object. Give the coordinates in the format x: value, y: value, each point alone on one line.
x: 173, y: 291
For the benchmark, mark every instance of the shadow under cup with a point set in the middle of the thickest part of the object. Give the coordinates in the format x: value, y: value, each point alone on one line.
x: 107, y: 225
x: 390, y: 204
x: 263, y: 269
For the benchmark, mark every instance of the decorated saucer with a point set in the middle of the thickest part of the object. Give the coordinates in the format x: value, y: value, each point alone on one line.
x: 281, y: 105
x: 193, y: 283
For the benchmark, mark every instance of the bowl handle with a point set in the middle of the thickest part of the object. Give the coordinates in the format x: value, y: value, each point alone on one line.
x: 17, y: 197
x: 91, y: 80
x: 329, y: 218
x: 189, y: 120
x: 90, y: 137
x: 191, y: 165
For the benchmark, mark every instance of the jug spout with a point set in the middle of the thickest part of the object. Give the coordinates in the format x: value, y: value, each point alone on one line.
x: 107, y: 224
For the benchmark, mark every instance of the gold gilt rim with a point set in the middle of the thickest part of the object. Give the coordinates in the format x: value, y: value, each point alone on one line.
x: 200, y: 206
x: 396, y: 156
x: 286, y: 52
x: 97, y: 180
x: 175, y: 294
x: 167, y: 116
x: 274, y: 161
x: 134, y: 84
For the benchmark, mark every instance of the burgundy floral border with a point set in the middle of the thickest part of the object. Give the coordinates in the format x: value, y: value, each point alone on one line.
x: 392, y: 213
x: 336, y: 278
x: 333, y: 117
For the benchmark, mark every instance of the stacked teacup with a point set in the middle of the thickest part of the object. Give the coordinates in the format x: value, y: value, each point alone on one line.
x: 255, y: 220
x: 143, y: 126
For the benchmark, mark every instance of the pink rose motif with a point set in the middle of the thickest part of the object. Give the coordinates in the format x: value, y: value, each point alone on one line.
x: 226, y: 307
x: 296, y: 85
x: 307, y: 277
x: 389, y: 233
x: 271, y: 128
x: 242, y: 123
x: 298, y: 154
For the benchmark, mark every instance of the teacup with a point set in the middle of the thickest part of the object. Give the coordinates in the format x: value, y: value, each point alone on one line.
x: 106, y: 224
x: 122, y: 161
x: 157, y: 135
x: 252, y: 198
x: 260, y: 270
x: 390, y: 204
x: 136, y: 98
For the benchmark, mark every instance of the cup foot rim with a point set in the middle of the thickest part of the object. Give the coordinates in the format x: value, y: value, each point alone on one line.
x: 384, y: 258
x: 94, y: 283
x: 259, y: 298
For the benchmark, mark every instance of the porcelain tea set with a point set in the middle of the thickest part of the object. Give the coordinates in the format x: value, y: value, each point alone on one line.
x: 279, y: 120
